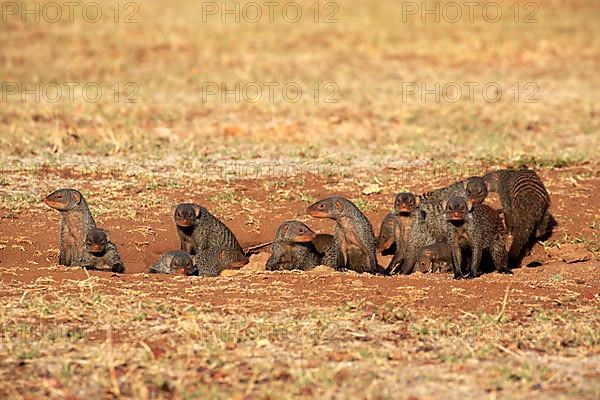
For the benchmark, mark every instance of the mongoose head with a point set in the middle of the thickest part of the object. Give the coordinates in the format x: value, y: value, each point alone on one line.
x: 331, y: 207
x: 95, y: 241
x: 426, y: 261
x: 232, y: 259
x: 457, y: 208
x: 476, y: 189
x: 185, y: 214
x: 295, y: 231
x: 63, y: 199
x: 182, y: 264
x: 386, y: 233
x: 405, y: 203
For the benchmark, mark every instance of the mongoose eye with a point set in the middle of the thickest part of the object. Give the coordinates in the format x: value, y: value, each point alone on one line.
x: 321, y: 205
x: 300, y: 230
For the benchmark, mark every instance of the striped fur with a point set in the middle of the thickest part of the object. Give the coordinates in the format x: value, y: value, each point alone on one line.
x: 525, y: 204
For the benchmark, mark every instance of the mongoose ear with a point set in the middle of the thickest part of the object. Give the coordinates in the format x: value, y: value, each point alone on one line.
x: 417, y: 200
x: 284, y: 228
x: 444, y: 204
x: 222, y: 254
x: 76, y: 197
x: 197, y: 210
x: 339, y: 206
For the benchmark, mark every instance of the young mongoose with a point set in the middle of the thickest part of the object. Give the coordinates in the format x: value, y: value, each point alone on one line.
x: 213, y: 261
x: 199, y: 230
x: 174, y: 262
x: 436, y: 257
x: 293, y: 248
x: 525, y: 204
x: 100, y: 253
x: 76, y: 221
x: 476, y: 227
x: 354, y: 238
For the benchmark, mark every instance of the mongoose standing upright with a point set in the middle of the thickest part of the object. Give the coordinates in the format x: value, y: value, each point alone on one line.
x: 213, y: 261
x: 199, y: 230
x: 76, y: 221
x: 478, y: 228
x: 525, y: 204
x: 405, y: 206
x: 174, y: 262
x: 293, y: 248
x: 354, y: 238
x: 100, y: 253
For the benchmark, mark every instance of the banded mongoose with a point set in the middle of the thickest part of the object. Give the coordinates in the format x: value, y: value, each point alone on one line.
x: 354, y: 239
x: 405, y: 208
x: 174, y: 262
x: 293, y: 248
x: 478, y: 228
x: 199, y: 230
x: 436, y: 257
x: 213, y: 261
x: 526, y: 207
x: 100, y: 253
x: 76, y: 221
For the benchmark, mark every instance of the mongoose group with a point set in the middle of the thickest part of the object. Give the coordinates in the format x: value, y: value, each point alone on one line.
x: 448, y: 229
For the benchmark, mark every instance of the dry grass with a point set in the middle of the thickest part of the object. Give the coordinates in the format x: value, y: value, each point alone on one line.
x: 69, y: 335
x: 93, y: 338
x: 368, y: 54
